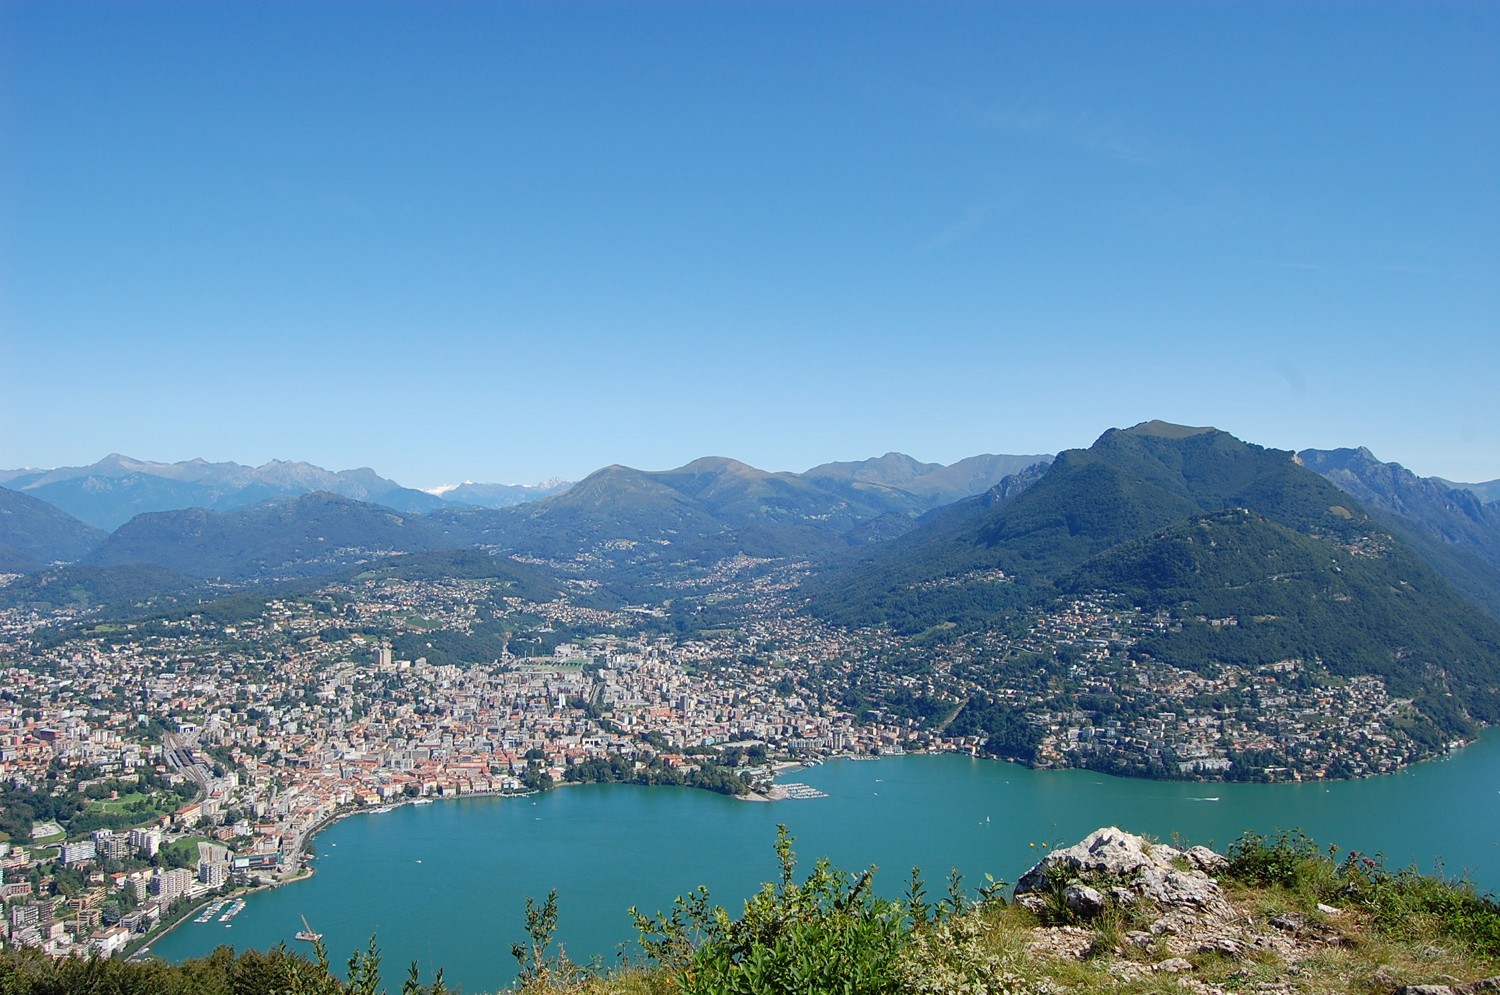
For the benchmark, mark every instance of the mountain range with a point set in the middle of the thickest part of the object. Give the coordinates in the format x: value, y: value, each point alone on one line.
x: 1259, y: 555
x: 114, y: 490
x: 240, y: 523
x: 109, y: 493
x: 695, y: 514
x: 1449, y: 525
x: 498, y: 495
x: 715, y: 506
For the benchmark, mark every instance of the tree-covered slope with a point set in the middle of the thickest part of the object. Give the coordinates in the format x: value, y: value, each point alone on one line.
x: 1449, y: 526
x: 127, y: 589
x: 524, y: 580
x: 611, y: 510
x: 1198, y: 522
x: 34, y: 533
x: 1244, y: 590
x: 307, y: 536
x: 1128, y: 484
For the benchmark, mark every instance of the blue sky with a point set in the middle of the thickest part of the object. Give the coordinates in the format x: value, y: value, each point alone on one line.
x: 507, y: 241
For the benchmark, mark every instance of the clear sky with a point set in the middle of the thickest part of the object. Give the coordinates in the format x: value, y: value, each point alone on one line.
x: 510, y: 241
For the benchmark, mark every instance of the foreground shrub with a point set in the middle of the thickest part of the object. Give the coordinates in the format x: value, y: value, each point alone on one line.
x: 1402, y: 904
x: 827, y: 934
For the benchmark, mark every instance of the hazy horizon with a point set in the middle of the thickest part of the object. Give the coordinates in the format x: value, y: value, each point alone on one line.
x: 441, y: 488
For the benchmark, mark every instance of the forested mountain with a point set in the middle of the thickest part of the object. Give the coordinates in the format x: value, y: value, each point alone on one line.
x: 924, y: 485
x: 313, y: 534
x: 1248, y: 591
x: 712, y: 508
x: 34, y: 533
x: 1127, y: 484
x: 123, y: 590
x: 1455, y: 531
x: 114, y: 490
x: 613, y: 509
x: 1198, y: 522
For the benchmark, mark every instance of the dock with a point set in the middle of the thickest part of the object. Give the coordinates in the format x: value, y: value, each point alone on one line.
x: 795, y: 790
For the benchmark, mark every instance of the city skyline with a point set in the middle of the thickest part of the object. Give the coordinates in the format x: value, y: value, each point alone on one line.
x: 506, y: 243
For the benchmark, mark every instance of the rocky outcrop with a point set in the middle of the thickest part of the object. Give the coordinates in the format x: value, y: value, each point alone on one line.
x: 1155, y: 909
x: 1111, y: 867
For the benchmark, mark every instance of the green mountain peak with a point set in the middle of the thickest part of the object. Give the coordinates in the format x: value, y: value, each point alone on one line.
x: 1166, y: 430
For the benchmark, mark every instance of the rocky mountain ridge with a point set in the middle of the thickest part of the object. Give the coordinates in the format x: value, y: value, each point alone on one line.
x: 1451, y: 526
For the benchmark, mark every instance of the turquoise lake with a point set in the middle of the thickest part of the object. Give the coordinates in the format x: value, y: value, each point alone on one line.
x: 445, y: 884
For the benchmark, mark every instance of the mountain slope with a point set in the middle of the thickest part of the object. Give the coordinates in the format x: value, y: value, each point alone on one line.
x: 34, y: 533
x: 1129, y: 483
x: 1488, y: 491
x: 306, y: 536
x: 117, y: 488
x: 127, y: 589
x: 1249, y: 591
x: 924, y: 485
x: 710, y: 509
x: 499, y: 495
x: 738, y: 494
x: 1450, y: 527
x: 1139, y: 513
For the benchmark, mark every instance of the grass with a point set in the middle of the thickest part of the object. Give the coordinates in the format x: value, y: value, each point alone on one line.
x: 187, y: 847
x: 117, y: 804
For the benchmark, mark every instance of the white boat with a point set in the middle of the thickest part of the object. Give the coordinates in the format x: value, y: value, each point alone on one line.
x: 306, y: 932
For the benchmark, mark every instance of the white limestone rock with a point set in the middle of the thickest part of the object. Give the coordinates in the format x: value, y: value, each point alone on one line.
x: 1130, y: 869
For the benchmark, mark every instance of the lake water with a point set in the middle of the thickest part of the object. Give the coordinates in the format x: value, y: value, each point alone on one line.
x: 445, y: 884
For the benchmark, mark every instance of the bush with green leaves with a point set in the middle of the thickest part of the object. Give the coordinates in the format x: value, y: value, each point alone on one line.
x: 1288, y: 861
x: 277, y: 971
x: 1404, y: 903
x: 828, y: 933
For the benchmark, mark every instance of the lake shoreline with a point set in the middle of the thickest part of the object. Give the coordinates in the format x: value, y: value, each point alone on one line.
x: 607, y: 847
x: 776, y: 793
